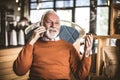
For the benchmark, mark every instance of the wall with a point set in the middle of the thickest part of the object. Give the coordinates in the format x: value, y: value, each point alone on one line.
x: 12, y: 5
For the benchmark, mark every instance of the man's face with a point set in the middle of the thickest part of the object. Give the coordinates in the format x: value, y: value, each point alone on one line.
x: 52, y: 24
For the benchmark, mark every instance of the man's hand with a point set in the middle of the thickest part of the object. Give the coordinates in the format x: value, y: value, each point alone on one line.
x: 37, y: 34
x: 88, y: 45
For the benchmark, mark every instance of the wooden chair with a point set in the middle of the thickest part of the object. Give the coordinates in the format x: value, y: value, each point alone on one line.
x: 111, y: 62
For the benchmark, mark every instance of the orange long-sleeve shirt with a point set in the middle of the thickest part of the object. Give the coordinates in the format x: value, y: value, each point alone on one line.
x: 51, y: 60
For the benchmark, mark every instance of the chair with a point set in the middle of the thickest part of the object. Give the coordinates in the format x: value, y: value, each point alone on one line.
x: 111, y: 62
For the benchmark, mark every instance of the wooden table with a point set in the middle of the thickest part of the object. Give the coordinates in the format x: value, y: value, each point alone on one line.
x: 102, y: 42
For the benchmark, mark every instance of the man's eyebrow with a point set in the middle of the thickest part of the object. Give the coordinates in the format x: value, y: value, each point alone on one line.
x: 49, y: 20
x: 52, y: 21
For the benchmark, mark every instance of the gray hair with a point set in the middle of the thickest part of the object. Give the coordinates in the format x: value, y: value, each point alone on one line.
x: 47, y: 12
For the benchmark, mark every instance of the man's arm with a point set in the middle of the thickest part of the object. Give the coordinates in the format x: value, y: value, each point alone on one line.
x: 24, y: 60
x: 81, y: 67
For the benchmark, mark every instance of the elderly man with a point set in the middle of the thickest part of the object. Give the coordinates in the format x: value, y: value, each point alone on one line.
x: 50, y: 58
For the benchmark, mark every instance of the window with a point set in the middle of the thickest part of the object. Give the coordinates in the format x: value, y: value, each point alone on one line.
x: 33, y: 5
x: 102, y: 2
x: 102, y: 17
x: 65, y: 7
x: 35, y: 15
x: 65, y: 14
x: 68, y: 3
x: 82, y: 17
x: 46, y: 4
x: 102, y: 20
x: 82, y: 2
x: 77, y: 11
x: 33, y: 0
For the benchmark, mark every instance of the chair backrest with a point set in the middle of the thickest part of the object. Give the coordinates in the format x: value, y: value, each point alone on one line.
x: 70, y: 32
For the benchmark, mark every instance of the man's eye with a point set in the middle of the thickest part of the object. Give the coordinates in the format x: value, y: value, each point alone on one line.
x: 48, y: 21
x: 56, y: 22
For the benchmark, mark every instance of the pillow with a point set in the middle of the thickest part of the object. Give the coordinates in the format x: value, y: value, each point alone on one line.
x: 69, y: 34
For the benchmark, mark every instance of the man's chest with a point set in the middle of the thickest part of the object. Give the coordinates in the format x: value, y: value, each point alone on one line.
x: 51, y: 55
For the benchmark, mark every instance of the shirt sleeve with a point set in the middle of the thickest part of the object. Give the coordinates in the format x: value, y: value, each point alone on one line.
x: 24, y: 60
x: 79, y: 67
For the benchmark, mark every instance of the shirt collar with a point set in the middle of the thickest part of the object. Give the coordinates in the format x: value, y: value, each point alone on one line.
x: 55, y: 39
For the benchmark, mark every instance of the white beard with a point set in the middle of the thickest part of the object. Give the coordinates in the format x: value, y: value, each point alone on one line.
x: 50, y: 34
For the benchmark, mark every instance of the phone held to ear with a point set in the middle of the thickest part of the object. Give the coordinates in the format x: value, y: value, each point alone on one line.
x: 42, y: 34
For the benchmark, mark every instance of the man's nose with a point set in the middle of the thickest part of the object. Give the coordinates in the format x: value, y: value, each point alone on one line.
x: 53, y: 24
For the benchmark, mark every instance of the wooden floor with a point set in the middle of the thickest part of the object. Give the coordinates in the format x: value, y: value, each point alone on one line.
x: 7, y: 57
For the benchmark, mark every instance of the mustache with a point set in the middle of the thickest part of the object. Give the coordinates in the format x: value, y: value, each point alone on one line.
x: 49, y: 34
x: 52, y: 29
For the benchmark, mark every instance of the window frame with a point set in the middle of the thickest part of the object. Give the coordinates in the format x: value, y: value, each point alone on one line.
x: 72, y: 8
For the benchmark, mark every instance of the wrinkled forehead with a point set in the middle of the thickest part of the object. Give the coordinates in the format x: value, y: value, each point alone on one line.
x: 51, y: 16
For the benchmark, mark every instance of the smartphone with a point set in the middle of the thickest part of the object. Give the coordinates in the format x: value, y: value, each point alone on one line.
x: 41, y: 24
